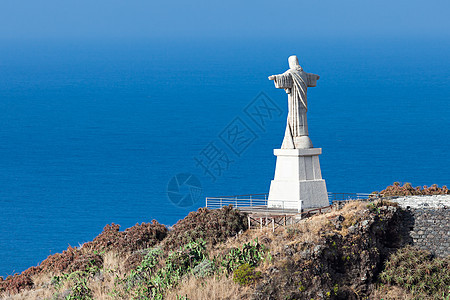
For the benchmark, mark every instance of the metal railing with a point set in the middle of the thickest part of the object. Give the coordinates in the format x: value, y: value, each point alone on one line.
x: 254, y: 201
x: 347, y: 196
x: 281, y: 212
x: 260, y: 201
x: 248, y: 200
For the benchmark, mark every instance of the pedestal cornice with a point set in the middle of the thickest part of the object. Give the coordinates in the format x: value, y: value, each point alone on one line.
x: 297, y: 152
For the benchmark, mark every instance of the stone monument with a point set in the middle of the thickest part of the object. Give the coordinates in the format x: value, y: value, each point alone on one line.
x: 298, y: 182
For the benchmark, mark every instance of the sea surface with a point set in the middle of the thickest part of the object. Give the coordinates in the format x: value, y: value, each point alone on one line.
x: 96, y: 131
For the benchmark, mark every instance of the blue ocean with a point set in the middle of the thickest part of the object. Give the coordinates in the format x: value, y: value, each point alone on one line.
x: 96, y: 131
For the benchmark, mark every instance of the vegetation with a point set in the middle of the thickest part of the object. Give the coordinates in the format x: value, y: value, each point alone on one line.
x: 212, y: 226
x: 89, y: 255
x: 407, y: 189
x: 149, y: 282
x: 245, y: 274
x: 418, y: 272
x: 250, y: 254
x: 351, y: 253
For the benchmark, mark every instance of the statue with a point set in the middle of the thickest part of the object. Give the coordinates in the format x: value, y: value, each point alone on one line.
x: 298, y: 182
x: 295, y: 81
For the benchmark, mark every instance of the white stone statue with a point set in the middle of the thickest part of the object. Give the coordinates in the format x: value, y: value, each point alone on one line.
x: 295, y: 81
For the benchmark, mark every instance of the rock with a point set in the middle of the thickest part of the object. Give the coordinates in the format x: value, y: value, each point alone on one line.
x: 365, y: 223
x: 339, y: 218
x: 288, y: 251
x: 273, y: 270
x: 317, y: 249
x: 99, y: 276
x: 352, y: 229
x: 305, y: 254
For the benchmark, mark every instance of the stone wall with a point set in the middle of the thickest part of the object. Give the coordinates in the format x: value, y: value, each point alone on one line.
x: 427, y: 220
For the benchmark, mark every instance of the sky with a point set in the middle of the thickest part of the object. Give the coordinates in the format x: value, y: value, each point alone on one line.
x: 31, y: 19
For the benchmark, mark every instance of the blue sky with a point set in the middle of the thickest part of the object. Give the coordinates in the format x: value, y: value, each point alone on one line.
x: 31, y: 19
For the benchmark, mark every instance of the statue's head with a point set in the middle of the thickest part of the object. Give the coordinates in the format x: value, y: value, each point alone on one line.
x: 293, y: 62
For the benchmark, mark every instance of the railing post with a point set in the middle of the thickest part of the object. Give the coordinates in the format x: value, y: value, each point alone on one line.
x: 236, y: 202
x: 220, y: 202
x: 207, y: 202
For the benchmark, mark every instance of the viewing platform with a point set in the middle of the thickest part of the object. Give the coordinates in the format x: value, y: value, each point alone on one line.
x: 260, y: 214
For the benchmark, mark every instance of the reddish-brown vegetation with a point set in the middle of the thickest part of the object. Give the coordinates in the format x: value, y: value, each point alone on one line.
x: 138, y: 237
x: 213, y: 226
x: 408, y: 190
x: 135, y: 238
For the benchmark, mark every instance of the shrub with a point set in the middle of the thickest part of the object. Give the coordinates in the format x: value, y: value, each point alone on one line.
x: 60, y: 262
x: 250, y: 254
x: 407, y: 190
x: 149, y: 281
x: 245, y: 274
x: 16, y: 283
x: 212, y: 226
x: 70, y: 259
x: 80, y: 289
x: 204, y: 269
x: 138, y: 237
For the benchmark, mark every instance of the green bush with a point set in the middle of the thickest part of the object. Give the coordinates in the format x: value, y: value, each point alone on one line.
x: 80, y: 290
x: 148, y: 281
x: 204, y: 269
x: 245, y: 274
x: 250, y: 254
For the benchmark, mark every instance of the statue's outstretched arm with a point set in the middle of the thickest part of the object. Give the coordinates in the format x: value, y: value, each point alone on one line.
x: 282, y: 81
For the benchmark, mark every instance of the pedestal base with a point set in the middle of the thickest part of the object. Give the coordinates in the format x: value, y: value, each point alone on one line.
x: 298, y: 180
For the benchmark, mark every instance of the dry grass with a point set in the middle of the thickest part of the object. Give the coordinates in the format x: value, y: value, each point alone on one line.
x: 352, y: 206
x: 389, y: 292
x: 211, y: 288
x: 114, y: 261
x: 35, y: 294
x: 43, y: 279
x: 101, y: 290
x: 113, y: 266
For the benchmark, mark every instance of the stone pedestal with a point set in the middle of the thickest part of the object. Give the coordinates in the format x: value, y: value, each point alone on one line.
x: 298, y: 182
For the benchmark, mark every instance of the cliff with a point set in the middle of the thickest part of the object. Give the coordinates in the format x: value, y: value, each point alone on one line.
x: 358, y: 251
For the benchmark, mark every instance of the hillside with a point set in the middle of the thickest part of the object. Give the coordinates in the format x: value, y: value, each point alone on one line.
x: 355, y: 252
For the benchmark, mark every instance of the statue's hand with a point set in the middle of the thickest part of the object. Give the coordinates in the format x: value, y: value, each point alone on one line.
x: 272, y: 77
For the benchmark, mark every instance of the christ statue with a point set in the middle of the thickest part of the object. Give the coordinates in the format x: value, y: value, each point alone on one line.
x: 295, y: 82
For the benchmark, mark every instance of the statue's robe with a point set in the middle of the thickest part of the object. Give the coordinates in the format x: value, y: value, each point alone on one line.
x: 295, y: 81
